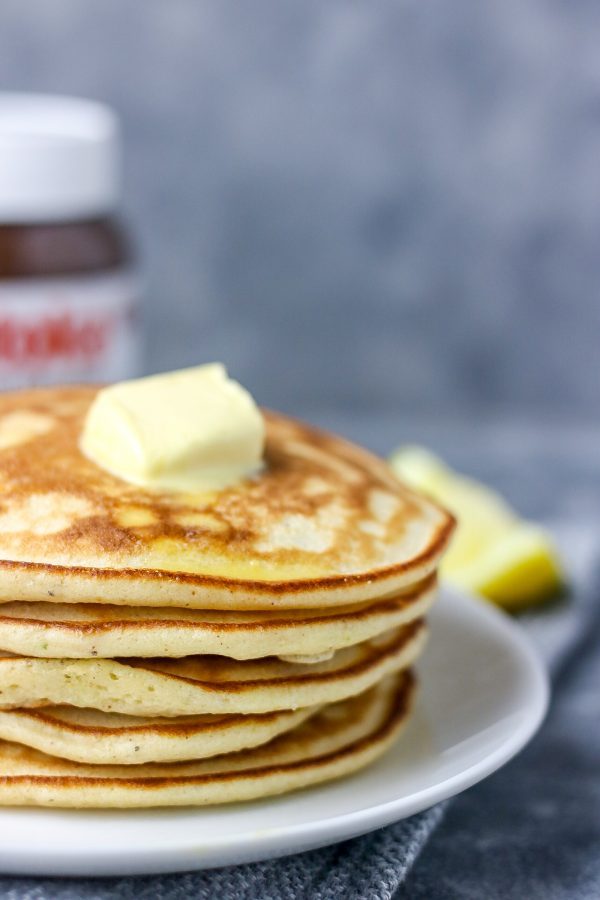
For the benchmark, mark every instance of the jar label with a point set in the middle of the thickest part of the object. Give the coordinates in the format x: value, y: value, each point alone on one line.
x: 81, y: 328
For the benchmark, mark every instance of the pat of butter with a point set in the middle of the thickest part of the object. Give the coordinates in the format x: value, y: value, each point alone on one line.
x: 191, y: 430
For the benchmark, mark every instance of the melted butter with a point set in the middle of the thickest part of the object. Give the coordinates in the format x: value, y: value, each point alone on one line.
x: 308, y: 660
x: 194, y: 430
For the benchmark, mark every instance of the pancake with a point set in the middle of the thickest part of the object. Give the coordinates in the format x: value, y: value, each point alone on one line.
x: 340, y: 739
x: 324, y: 524
x: 97, y: 631
x: 90, y: 736
x: 204, y: 684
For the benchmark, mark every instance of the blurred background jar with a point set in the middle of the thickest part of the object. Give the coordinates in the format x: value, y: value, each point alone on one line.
x: 68, y: 287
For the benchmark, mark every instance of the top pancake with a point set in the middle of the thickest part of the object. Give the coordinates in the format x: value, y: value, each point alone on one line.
x: 324, y: 523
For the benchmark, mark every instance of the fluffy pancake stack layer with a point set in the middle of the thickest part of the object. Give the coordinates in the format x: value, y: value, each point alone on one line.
x: 189, y: 649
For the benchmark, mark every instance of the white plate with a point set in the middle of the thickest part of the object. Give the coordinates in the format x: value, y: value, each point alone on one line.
x: 483, y: 693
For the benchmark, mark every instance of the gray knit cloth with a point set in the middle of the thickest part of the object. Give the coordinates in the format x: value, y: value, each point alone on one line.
x: 373, y: 867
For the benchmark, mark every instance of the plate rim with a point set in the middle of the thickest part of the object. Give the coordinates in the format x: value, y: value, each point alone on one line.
x: 177, y: 855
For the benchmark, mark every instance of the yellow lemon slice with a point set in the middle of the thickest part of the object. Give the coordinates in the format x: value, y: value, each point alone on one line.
x: 494, y: 553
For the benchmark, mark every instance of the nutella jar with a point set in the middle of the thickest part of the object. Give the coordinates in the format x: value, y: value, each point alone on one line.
x: 68, y: 291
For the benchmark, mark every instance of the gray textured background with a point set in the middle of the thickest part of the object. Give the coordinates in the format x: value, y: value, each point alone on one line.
x: 386, y: 205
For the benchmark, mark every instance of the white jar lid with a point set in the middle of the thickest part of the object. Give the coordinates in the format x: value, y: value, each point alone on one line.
x: 58, y: 158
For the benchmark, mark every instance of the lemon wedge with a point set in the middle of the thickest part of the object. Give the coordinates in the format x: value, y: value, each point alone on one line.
x: 494, y: 553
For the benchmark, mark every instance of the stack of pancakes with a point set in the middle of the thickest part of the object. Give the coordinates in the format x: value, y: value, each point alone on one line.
x: 187, y: 649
